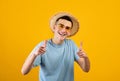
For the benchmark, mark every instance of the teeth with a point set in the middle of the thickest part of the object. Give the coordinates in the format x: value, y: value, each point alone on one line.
x: 62, y: 34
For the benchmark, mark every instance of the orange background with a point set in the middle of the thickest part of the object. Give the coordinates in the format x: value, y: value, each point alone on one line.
x: 24, y: 23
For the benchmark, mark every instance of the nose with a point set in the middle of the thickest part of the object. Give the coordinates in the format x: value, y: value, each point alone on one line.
x: 64, y: 29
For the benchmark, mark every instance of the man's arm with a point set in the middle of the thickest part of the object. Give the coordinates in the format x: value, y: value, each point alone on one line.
x: 83, y: 61
x: 28, y: 64
x: 84, y: 64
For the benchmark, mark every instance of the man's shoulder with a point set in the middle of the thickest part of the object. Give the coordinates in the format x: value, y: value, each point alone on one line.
x: 69, y: 40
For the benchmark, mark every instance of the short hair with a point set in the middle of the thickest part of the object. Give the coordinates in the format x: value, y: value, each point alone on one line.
x: 66, y: 18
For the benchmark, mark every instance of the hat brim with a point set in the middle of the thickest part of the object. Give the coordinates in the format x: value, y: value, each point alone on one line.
x: 75, y: 27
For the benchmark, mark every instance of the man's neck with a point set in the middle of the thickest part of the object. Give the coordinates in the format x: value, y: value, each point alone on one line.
x: 57, y: 41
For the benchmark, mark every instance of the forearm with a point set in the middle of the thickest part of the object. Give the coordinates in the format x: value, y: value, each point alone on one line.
x: 28, y: 64
x: 86, y: 64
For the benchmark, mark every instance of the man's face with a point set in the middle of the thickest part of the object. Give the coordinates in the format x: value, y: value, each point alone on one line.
x: 62, y: 29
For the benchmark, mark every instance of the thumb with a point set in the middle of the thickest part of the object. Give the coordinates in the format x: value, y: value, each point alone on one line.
x: 81, y: 44
x: 45, y: 43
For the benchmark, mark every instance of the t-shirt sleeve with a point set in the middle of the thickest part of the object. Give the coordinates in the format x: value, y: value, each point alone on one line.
x: 75, y: 50
x: 37, y: 60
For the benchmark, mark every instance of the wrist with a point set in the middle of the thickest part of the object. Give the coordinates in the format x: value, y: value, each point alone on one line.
x: 34, y: 55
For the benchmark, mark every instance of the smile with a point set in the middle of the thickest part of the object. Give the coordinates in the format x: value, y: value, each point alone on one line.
x: 62, y: 34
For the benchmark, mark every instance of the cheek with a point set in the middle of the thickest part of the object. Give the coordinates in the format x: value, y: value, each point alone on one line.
x: 69, y: 32
x: 55, y: 27
x: 56, y: 30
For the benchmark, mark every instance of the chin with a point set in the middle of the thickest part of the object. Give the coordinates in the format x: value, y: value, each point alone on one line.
x: 62, y: 38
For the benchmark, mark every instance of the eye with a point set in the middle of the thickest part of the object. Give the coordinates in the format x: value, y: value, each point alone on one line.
x: 60, y: 25
x: 68, y: 28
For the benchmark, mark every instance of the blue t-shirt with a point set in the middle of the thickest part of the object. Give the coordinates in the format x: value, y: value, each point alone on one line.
x: 57, y: 63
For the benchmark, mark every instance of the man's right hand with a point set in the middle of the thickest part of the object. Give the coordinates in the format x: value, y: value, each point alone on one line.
x: 41, y: 50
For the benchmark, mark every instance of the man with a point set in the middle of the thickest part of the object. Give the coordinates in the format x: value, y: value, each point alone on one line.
x: 56, y: 56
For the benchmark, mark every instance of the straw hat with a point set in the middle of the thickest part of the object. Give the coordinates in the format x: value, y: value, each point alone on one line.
x: 75, y: 27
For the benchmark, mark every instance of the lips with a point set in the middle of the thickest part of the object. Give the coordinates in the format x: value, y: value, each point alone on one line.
x: 62, y: 34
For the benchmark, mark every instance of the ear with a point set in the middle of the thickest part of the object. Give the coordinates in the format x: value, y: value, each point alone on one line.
x: 54, y: 27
